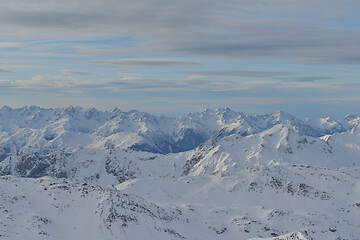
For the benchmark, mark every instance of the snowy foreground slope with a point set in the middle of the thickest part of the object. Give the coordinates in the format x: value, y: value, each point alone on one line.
x: 85, y: 174
x: 312, y: 203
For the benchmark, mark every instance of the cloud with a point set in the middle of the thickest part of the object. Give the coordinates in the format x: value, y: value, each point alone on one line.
x: 132, y: 82
x: 73, y: 72
x: 234, y: 73
x: 4, y: 45
x: 304, y: 46
x: 199, y: 49
x: 305, y: 79
x: 189, y: 94
x: 155, y: 85
x: 5, y: 71
x: 143, y: 62
x: 46, y: 81
x: 345, y: 58
x: 296, y: 31
x: 4, y: 83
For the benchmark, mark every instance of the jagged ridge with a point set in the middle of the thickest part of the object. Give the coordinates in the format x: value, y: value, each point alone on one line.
x: 34, y: 129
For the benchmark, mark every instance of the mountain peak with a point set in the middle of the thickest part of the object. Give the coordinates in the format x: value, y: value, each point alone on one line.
x: 139, y: 130
x: 351, y: 116
x: 283, y: 115
x: 6, y: 108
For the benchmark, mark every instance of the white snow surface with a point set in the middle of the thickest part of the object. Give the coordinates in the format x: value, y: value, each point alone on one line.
x: 77, y: 173
x: 37, y: 129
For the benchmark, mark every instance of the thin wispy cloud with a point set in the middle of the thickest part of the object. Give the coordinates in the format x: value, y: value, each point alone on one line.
x: 74, y: 72
x: 143, y: 62
x: 305, y: 79
x: 5, y: 71
x: 235, y: 73
x: 5, y: 45
x: 46, y: 81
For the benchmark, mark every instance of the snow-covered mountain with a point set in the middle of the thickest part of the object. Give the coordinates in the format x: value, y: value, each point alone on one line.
x: 258, y: 202
x: 36, y: 129
x: 79, y: 173
x: 276, y: 146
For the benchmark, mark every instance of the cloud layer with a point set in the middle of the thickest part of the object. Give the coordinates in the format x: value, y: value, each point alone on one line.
x: 297, y: 31
x: 174, y: 53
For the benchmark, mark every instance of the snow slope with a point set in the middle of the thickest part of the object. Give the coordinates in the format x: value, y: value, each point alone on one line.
x: 219, y: 156
x: 276, y: 146
x: 255, y: 203
x: 86, y: 174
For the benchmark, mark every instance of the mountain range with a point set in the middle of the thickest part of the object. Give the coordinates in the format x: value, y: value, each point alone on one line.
x: 34, y: 128
x: 76, y: 173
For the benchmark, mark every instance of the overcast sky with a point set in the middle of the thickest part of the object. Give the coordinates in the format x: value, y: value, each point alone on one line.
x: 172, y: 57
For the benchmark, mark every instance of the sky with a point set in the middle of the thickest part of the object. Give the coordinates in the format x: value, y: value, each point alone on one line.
x: 174, y: 57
